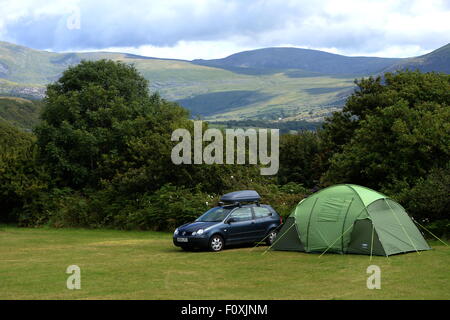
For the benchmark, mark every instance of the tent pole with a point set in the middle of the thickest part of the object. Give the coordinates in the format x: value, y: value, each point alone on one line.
x: 403, y: 228
x: 371, y: 244
x: 279, y: 238
x: 430, y: 232
x: 257, y: 244
x: 336, y: 240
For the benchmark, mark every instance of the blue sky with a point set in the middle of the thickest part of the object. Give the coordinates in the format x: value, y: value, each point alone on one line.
x: 217, y: 28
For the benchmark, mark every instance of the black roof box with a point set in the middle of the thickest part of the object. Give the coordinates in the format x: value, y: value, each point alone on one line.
x: 241, y: 196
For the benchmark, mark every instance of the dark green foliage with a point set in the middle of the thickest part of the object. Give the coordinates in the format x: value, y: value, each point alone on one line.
x: 20, y: 112
x: 95, y: 118
x: 374, y: 94
x: 12, y: 138
x: 21, y: 177
x: 162, y: 210
x: 398, y: 144
x: 283, y: 198
x: 168, y: 208
x: 438, y: 228
x: 429, y: 195
x: 299, y: 158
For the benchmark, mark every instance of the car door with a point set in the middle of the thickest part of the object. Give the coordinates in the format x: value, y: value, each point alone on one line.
x: 263, y: 220
x: 241, y: 226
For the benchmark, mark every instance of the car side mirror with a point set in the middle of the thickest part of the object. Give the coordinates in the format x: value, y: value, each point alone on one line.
x: 231, y: 220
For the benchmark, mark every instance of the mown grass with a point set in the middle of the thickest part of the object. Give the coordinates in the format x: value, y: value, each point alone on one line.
x: 146, y: 265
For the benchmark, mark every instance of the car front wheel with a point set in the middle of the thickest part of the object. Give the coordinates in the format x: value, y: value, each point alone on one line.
x: 271, y: 237
x: 216, y: 243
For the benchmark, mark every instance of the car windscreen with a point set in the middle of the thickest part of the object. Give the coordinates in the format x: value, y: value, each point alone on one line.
x: 215, y: 214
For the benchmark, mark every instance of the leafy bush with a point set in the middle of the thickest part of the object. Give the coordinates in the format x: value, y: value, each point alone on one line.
x: 282, y: 198
x: 428, y: 201
x: 172, y: 206
x: 21, y: 176
x: 299, y: 158
x: 439, y: 228
x: 163, y: 210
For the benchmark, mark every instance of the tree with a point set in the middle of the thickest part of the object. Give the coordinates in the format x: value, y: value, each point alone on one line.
x: 398, y: 131
x: 398, y: 144
x: 374, y: 94
x: 21, y: 176
x: 299, y: 158
x: 95, y: 118
x: 428, y: 200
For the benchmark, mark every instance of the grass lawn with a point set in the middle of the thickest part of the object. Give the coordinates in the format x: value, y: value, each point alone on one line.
x: 146, y: 265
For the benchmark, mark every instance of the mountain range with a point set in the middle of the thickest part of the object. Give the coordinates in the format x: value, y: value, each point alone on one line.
x: 264, y: 84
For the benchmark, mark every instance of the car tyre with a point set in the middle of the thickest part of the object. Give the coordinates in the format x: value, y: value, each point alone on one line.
x: 271, y: 237
x: 216, y: 243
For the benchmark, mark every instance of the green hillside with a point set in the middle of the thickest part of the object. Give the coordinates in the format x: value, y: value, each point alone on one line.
x: 437, y: 60
x: 273, y: 60
x: 265, y: 84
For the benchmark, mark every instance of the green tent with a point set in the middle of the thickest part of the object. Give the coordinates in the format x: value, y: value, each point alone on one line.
x: 349, y: 218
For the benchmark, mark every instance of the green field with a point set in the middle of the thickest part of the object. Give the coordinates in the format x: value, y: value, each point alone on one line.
x: 146, y: 265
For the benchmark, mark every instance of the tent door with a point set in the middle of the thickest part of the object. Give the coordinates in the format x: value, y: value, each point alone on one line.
x: 361, y: 239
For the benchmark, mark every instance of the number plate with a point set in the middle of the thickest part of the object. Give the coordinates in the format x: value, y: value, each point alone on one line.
x: 182, y: 239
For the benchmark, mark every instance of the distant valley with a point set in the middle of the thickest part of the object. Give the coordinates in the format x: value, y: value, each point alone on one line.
x: 271, y: 84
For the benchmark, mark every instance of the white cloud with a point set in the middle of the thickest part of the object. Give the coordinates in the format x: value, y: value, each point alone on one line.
x: 216, y: 28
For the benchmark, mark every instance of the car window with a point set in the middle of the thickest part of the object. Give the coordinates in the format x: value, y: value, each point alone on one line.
x: 242, y: 214
x: 215, y: 214
x: 261, y: 212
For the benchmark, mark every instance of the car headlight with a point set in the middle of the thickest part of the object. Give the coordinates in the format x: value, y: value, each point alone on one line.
x: 198, y: 232
x: 176, y: 231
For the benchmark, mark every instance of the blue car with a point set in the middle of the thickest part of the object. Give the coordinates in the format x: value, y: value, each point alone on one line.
x: 239, y: 218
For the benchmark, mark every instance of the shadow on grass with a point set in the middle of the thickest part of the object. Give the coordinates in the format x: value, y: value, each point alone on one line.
x: 174, y: 249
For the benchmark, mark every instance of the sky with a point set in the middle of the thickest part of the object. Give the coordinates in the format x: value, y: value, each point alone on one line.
x: 208, y: 29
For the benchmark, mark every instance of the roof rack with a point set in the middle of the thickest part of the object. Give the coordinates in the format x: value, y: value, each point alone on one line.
x: 237, y: 197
